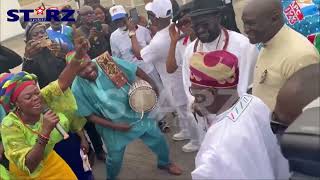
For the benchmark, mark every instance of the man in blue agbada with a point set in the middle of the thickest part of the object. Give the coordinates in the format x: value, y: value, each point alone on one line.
x: 101, y: 101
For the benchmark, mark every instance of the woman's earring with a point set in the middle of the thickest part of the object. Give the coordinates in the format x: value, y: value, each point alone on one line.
x: 18, y: 109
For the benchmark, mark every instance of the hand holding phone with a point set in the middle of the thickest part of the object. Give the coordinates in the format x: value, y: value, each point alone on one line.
x: 98, y: 25
x: 134, y: 15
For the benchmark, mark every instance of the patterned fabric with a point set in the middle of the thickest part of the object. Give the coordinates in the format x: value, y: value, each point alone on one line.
x: 218, y: 69
x: 304, y: 17
x: 9, y: 83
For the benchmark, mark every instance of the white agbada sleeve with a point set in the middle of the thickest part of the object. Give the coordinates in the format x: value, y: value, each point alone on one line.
x: 114, y: 48
x: 186, y: 73
x: 150, y: 53
x: 147, y: 36
x: 241, y: 146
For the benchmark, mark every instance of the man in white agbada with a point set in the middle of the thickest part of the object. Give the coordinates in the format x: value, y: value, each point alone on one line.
x: 240, y: 143
x: 120, y: 41
x: 159, y: 13
x: 183, y: 97
x: 219, y: 61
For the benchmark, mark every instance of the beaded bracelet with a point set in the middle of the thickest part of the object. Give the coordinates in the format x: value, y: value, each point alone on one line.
x: 42, y: 141
x: 44, y: 137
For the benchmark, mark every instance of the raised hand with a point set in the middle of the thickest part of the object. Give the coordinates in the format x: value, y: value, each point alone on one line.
x: 82, y: 45
x: 93, y: 34
x: 131, y: 25
x: 32, y: 48
x: 174, y: 34
x: 50, y: 120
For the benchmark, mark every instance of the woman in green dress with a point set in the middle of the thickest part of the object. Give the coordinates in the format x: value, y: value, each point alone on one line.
x: 28, y: 135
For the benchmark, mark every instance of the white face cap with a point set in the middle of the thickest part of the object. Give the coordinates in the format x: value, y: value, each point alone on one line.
x: 148, y: 6
x: 161, y: 8
x: 117, y: 12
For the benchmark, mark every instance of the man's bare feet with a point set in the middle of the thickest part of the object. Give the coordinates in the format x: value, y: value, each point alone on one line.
x: 172, y: 169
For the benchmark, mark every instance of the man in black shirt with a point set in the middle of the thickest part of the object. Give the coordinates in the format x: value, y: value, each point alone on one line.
x: 97, y: 34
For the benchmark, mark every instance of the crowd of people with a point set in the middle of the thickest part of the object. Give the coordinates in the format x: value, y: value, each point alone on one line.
x: 236, y: 80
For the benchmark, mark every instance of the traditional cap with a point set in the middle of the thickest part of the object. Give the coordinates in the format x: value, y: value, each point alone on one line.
x: 217, y: 69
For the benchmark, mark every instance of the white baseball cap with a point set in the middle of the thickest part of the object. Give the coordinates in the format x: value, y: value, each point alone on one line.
x: 117, y: 12
x: 161, y: 8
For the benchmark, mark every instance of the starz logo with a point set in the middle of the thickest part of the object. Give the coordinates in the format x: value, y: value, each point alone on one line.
x: 44, y: 14
x: 40, y: 10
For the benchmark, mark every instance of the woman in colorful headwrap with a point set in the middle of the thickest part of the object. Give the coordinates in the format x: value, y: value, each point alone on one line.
x: 28, y: 135
x: 48, y: 67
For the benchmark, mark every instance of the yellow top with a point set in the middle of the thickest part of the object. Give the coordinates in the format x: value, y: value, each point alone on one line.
x: 287, y: 52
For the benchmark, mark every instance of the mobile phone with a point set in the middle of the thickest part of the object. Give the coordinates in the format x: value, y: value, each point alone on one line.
x: 45, y: 42
x: 98, y: 25
x: 134, y: 15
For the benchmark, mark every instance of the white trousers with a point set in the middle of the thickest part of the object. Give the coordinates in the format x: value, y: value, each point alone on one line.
x: 164, y: 104
x: 188, y: 123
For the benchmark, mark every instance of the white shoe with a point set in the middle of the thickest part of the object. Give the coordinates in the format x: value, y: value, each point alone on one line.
x: 182, y: 135
x: 190, y: 147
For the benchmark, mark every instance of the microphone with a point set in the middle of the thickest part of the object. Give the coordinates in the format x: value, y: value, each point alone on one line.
x: 59, y: 128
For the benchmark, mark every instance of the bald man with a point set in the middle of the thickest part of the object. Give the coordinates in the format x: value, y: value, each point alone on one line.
x: 284, y: 50
x: 240, y: 143
x: 301, y: 89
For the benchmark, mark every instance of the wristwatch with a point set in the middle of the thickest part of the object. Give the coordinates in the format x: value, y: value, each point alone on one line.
x: 132, y: 33
x: 26, y: 59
